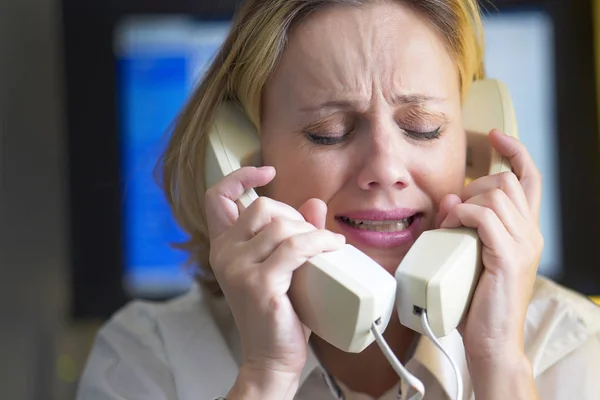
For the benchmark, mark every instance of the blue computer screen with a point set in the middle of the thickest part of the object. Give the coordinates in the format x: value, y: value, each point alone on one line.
x: 158, y: 63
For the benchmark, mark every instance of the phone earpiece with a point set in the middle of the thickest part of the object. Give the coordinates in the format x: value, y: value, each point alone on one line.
x: 232, y: 142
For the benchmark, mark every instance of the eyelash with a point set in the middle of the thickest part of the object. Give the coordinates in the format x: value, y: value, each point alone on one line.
x: 332, y: 140
x: 325, y: 140
x: 430, y: 135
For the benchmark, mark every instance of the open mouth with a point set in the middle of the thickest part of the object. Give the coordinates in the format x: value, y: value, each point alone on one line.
x: 379, y: 226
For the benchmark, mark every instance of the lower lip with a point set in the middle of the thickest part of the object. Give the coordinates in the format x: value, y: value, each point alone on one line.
x: 382, y: 239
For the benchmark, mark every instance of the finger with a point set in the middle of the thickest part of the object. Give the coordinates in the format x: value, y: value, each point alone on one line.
x: 315, y: 212
x: 268, y: 239
x: 447, y: 203
x: 296, y: 250
x: 490, y: 229
x: 508, y: 214
x: 262, y: 212
x: 506, y: 182
x: 523, y: 166
x: 219, y: 199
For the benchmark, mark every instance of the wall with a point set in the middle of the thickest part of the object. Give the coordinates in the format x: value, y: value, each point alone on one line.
x: 33, y: 276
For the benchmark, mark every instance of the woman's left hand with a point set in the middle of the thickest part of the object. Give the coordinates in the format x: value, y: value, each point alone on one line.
x: 504, y: 208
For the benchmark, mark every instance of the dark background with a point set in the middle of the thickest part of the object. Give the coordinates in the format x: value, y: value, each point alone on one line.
x: 61, y: 254
x: 93, y: 148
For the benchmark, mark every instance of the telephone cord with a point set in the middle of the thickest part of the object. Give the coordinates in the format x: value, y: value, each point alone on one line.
x: 429, y: 332
x: 403, y: 372
x: 410, y: 379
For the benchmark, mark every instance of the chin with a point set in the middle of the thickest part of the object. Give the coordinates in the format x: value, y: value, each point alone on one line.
x: 391, y: 265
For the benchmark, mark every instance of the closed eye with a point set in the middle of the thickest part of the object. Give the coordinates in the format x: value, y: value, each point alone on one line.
x: 424, y: 135
x: 326, y: 140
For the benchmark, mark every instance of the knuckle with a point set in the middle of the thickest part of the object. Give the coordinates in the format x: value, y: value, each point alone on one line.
x: 293, y: 244
x: 503, y: 177
x: 456, y: 210
x: 488, y: 215
x: 496, y: 197
x: 508, y: 180
x: 522, y: 148
x: 278, y: 228
x: 261, y: 204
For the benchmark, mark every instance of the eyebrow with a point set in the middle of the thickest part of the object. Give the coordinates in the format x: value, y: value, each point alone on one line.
x: 397, y: 100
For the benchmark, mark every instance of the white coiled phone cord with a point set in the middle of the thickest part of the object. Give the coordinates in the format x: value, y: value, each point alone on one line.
x: 410, y: 379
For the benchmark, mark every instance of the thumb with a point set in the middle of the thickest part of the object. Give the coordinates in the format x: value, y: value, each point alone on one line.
x: 448, y: 202
x: 314, y: 212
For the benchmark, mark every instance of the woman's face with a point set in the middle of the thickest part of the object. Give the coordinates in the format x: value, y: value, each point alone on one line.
x: 363, y: 112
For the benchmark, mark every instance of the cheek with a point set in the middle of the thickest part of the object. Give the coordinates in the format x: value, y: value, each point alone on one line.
x: 302, y: 174
x: 443, y: 174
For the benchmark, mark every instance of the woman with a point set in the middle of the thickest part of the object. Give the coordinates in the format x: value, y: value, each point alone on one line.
x: 358, y: 105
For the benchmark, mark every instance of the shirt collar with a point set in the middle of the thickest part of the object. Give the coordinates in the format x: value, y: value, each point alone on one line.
x: 426, y: 356
x: 428, y: 364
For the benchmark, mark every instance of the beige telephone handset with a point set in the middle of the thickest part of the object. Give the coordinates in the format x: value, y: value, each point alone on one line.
x: 441, y: 270
x: 339, y: 295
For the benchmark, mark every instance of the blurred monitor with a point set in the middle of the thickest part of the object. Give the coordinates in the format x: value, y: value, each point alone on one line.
x: 160, y: 60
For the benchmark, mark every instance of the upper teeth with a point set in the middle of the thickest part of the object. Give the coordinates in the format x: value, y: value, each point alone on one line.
x: 380, y: 226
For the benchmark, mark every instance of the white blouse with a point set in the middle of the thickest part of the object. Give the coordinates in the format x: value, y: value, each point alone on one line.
x: 189, y: 349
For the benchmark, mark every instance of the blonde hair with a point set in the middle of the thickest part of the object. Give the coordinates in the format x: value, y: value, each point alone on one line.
x: 239, y: 73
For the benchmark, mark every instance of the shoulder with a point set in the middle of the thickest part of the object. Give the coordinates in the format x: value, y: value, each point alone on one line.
x: 160, y: 346
x: 145, y: 323
x: 559, y: 322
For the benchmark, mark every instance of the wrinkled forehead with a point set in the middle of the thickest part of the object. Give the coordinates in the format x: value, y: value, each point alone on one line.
x: 382, y: 46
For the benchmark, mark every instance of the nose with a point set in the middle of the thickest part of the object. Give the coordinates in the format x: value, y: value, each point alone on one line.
x: 384, y: 161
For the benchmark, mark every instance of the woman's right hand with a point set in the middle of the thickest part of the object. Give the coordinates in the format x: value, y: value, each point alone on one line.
x: 253, y: 254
